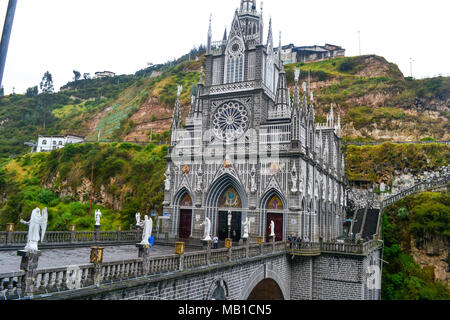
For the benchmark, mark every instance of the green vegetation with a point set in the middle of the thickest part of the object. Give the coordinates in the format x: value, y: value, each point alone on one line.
x: 378, y: 163
x: 129, y: 175
x: 419, y: 217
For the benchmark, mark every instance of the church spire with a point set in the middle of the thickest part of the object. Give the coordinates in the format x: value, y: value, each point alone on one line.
x: 280, y: 62
x: 282, y: 102
x: 297, y: 90
x: 176, y: 121
x: 208, y: 43
x: 225, y: 34
x: 270, y: 36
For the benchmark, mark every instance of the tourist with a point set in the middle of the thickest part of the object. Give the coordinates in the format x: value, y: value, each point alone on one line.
x: 215, y: 242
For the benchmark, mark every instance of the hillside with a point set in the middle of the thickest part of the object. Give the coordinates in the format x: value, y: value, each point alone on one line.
x: 374, y: 99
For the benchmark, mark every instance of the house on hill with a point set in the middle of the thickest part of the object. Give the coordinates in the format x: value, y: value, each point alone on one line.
x: 50, y: 143
x: 104, y: 74
x: 292, y: 54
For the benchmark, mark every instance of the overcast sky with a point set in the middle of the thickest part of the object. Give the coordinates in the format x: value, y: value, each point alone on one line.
x: 124, y: 35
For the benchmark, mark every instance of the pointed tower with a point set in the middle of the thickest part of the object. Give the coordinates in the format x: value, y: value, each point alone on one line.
x: 176, y: 121
x: 282, y: 108
x: 295, y: 126
x: 208, y: 43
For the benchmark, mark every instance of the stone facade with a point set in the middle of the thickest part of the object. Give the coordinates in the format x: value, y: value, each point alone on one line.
x: 249, y: 149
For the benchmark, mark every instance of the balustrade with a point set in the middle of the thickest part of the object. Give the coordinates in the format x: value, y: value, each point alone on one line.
x: 75, y: 277
x: 219, y: 256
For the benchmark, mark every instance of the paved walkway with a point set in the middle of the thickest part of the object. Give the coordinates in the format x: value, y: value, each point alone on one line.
x: 54, y: 258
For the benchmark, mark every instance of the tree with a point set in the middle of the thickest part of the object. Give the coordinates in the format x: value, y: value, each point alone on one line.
x: 77, y: 75
x: 86, y: 76
x: 32, y: 92
x: 47, y: 83
x: 46, y: 87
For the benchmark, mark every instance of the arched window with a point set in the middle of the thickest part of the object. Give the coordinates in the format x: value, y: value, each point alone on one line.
x: 54, y: 143
x: 60, y: 143
x: 235, y: 61
x: 44, y: 142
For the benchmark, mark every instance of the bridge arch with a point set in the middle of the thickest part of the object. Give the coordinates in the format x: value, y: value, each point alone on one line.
x: 258, y: 281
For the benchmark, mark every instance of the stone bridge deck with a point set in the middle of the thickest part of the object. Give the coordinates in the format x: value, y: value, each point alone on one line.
x: 88, y: 280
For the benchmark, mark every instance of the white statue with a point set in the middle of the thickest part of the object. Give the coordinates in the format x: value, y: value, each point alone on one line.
x: 147, y: 224
x: 37, y: 223
x: 167, y: 181
x: 253, y: 180
x: 207, y: 234
x: 138, y: 219
x: 294, y: 179
x: 98, y: 215
x: 272, y: 228
x: 246, y: 225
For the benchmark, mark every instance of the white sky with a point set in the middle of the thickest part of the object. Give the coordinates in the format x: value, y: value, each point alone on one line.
x: 124, y: 35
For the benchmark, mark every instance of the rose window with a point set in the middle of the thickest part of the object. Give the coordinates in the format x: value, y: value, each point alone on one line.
x: 230, y: 121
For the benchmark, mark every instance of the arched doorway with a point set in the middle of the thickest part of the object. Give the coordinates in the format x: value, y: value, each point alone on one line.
x: 275, y: 209
x: 230, y: 202
x: 185, y: 227
x: 267, y: 289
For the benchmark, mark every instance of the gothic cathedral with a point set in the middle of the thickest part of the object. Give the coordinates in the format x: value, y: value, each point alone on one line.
x: 249, y: 152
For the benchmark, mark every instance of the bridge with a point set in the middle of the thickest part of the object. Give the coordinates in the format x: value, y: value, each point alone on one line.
x: 273, y: 270
x: 437, y: 184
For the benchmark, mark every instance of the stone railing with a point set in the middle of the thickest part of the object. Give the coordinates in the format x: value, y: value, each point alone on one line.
x: 32, y: 283
x: 416, y: 189
x: 18, y: 285
x: 315, y: 248
x: 19, y: 238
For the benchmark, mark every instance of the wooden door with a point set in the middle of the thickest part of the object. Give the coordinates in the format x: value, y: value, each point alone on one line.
x: 185, y: 223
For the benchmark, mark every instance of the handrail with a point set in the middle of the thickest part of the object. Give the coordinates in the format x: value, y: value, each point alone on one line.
x: 69, y: 237
x: 83, y: 276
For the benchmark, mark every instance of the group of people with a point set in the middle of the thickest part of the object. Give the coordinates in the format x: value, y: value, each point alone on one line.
x: 297, y: 242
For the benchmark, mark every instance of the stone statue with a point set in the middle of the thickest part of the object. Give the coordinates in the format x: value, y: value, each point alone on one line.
x: 167, y: 181
x: 37, y: 223
x: 98, y: 215
x: 294, y: 179
x: 253, y: 180
x: 207, y: 234
x: 147, y: 225
x: 199, y: 180
x: 138, y: 219
x: 246, y: 226
x: 272, y: 228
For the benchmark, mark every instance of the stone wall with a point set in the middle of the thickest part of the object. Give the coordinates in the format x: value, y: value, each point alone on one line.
x: 325, y: 277
x: 237, y: 282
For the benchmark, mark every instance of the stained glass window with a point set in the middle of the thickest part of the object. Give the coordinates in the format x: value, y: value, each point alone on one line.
x: 186, y: 201
x: 230, y: 199
x: 275, y: 203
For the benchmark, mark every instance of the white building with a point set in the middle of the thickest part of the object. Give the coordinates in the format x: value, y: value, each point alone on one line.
x: 50, y: 143
x: 104, y: 74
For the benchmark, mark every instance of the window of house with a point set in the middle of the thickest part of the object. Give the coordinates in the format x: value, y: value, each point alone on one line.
x: 44, y: 142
